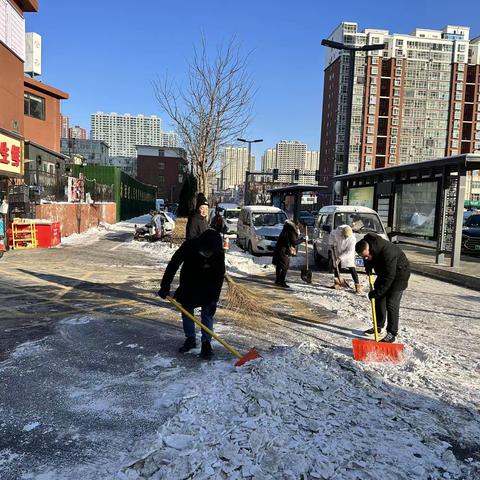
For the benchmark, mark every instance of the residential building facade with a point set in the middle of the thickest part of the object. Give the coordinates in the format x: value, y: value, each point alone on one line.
x: 164, y: 167
x: 269, y: 160
x: 291, y: 155
x: 93, y: 152
x: 124, y: 132
x: 233, y: 166
x: 77, y: 132
x: 417, y: 99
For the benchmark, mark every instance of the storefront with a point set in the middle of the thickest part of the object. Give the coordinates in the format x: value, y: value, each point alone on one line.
x: 11, y: 168
x: 423, y: 200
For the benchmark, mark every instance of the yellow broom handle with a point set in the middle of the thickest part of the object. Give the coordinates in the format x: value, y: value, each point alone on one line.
x: 203, y: 327
x: 374, y: 313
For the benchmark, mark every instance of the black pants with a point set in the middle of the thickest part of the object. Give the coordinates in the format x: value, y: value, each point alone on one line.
x: 353, y: 273
x: 281, y: 275
x: 387, y: 309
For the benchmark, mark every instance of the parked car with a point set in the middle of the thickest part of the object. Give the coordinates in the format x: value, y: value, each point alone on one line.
x: 306, y: 218
x: 363, y: 220
x: 471, y: 234
x: 259, y: 227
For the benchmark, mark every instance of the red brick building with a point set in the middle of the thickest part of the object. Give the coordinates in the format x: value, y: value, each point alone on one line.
x: 164, y: 167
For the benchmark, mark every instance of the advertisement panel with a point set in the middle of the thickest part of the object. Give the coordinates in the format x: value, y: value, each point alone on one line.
x: 415, y: 208
x: 12, y: 29
x: 361, y: 196
x: 11, y: 155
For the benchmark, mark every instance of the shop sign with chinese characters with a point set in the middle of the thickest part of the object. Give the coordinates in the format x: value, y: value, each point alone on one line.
x: 11, y: 155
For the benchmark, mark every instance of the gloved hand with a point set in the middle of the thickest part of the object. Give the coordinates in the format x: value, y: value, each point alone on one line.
x: 163, y: 292
x: 372, y: 294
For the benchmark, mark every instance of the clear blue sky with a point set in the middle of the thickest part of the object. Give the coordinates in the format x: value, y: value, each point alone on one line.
x: 106, y: 53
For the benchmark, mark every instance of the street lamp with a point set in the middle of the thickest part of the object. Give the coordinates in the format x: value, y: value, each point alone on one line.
x: 351, y: 76
x: 249, y: 147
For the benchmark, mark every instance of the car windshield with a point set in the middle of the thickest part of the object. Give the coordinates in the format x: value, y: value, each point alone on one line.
x: 473, y: 221
x: 360, y: 222
x: 268, y: 219
x: 305, y: 214
x: 229, y: 214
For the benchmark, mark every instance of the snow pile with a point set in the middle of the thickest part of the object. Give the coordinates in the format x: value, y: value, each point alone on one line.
x: 242, y: 263
x: 89, y: 237
x: 309, y: 413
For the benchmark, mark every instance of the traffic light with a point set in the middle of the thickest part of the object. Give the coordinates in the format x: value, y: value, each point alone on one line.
x: 296, y: 174
x: 275, y: 173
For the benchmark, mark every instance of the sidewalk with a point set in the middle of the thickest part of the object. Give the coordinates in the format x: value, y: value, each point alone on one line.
x: 422, y: 261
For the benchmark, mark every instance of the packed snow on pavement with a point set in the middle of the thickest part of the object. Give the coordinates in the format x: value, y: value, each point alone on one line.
x: 308, y: 410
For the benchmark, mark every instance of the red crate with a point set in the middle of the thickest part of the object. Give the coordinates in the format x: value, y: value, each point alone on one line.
x: 48, y: 234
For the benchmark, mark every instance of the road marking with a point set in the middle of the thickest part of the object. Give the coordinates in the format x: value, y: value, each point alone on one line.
x: 115, y: 247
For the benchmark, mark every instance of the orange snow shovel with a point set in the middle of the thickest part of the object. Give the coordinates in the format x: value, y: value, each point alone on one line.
x: 251, y: 355
x: 376, y: 351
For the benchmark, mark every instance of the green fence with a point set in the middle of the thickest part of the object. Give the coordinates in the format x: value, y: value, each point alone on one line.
x: 133, y: 198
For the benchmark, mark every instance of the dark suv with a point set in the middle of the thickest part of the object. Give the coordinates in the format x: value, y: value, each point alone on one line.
x: 471, y: 234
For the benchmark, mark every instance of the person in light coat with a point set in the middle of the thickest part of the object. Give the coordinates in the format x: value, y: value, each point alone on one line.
x: 342, y: 241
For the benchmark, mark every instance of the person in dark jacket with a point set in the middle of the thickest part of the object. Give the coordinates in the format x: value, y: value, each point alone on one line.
x: 393, y: 271
x: 198, y: 222
x: 201, y: 280
x: 285, y: 248
x: 218, y: 222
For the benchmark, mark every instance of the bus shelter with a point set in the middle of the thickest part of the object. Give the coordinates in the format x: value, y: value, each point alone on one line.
x: 294, y: 198
x: 423, y: 200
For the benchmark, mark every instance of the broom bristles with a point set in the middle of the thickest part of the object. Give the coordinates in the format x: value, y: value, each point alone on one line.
x: 242, y: 300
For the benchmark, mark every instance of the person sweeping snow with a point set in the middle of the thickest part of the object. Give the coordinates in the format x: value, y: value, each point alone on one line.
x: 393, y: 271
x: 342, y: 241
x: 285, y: 248
x: 201, y: 280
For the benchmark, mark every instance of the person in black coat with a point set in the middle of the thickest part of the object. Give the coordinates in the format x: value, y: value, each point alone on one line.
x: 218, y: 222
x: 393, y: 271
x: 198, y: 222
x: 284, y: 249
x: 201, y: 280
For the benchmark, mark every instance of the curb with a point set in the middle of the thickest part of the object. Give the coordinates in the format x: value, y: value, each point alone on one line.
x: 455, y: 278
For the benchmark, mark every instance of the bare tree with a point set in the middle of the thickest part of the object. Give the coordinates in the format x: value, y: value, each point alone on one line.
x: 212, y: 109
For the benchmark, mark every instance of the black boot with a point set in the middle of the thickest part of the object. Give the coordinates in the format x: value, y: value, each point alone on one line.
x: 190, y: 342
x: 206, y: 352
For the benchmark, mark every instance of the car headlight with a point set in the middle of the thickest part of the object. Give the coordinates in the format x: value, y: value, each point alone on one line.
x: 260, y: 237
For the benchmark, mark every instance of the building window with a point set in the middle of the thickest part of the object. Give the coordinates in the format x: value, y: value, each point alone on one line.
x: 161, y: 180
x: 161, y: 165
x: 34, y: 106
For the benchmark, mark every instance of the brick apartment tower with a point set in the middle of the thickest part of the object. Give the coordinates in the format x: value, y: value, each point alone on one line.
x: 415, y: 100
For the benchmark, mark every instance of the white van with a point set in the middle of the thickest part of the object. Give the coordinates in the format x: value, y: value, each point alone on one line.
x: 259, y: 227
x: 363, y: 220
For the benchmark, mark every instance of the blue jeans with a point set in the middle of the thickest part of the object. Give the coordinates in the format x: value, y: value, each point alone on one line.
x: 208, y: 311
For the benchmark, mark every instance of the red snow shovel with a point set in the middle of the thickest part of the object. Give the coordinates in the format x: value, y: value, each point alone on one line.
x: 376, y: 351
x: 251, y: 355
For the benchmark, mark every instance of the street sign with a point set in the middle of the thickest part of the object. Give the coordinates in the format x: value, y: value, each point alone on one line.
x: 11, y: 155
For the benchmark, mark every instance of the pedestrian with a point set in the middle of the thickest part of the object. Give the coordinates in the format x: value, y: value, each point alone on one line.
x: 342, y: 240
x: 198, y: 222
x: 285, y: 248
x: 393, y: 271
x: 201, y: 280
x: 218, y: 222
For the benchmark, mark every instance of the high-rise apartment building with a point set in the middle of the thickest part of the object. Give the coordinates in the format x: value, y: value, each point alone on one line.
x: 312, y: 159
x: 64, y: 126
x: 233, y: 166
x: 291, y: 155
x: 269, y: 160
x: 124, y: 132
x: 77, y: 132
x: 416, y: 99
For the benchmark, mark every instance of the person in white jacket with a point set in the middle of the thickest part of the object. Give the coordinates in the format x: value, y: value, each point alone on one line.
x: 342, y: 241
